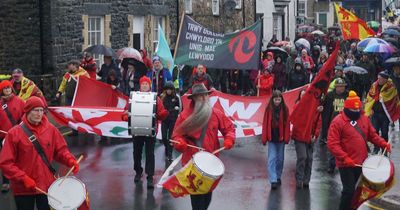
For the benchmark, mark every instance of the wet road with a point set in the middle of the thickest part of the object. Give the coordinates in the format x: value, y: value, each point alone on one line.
x: 108, y: 174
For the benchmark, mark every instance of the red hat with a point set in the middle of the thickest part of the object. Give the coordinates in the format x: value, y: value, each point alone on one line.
x: 4, y: 84
x: 32, y: 103
x: 144, y: 79
x: 352, y: 101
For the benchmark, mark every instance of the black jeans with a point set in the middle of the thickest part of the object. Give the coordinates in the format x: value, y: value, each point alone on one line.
x: 381, y: 123
x: 167, y: 127
x: 149, y: 143
x: 349, y: 177
x: 200, y: 202
x: 5, y: 180
x: 27, y: 202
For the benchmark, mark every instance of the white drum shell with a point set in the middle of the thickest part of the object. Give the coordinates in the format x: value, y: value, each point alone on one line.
x: 209, y: 164
x: 71, y: 193
x: 376, y: 169
x: 142, y: 112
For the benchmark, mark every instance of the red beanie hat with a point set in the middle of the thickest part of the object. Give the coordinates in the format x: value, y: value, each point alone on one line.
x: 352, y: 101
x: 144, y: 79
x: 32, y: 103
x: 4, y: 84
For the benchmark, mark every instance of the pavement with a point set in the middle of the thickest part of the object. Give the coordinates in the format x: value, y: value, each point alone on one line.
x: 107, y: 172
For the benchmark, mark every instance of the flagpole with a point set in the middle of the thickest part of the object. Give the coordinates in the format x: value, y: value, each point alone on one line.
x: 179, y: 34
x: 258, y: 83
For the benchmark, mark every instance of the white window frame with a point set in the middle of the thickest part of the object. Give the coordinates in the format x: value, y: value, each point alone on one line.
x: 188, y: 6
x: 215, y: 7
x: 92, y: 31
x: 238, y: 4
x: 305, y: 8
x: 317, y: 17
x: 155, y: 31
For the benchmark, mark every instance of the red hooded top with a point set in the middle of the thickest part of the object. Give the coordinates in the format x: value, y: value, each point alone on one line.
x: 218, y: 122
x: 283, y: 124
x: 19, y: 157
x: 90, y: 67
x: 147, y: 62
x: 266, y: 84
x: 15, y: 106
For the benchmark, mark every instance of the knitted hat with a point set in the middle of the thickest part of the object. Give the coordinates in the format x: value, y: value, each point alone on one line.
x: 384, y: 74
x: 156, y: 58
x: 338, y: 68
x: 144, y: 79
x: 32, y: 103
x: 4, y: 84
x: 352, y: 101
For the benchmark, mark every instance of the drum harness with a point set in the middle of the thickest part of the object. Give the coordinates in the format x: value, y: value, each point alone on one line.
x: 5, y: 108
x: 33, y: 139
x: 355, y: 126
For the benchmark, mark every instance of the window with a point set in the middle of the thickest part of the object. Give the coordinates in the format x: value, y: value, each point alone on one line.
x: 96, y: 35
x: 215, y: 7
x: 188, y: 6
x: 158, y: 20
x: 301, y: 8
x: 238, y: 4
x: 322, y: 19
x: 277, y: 26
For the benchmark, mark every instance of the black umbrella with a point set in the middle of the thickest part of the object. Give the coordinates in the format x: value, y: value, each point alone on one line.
x: 140, y: 68
x: 392, y: 41
x: 277, y: 51
x: 101, y: 50
x: 393, y: 61
x: 355, y: 69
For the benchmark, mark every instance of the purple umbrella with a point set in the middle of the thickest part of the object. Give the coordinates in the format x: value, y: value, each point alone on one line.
x: 379, y: 48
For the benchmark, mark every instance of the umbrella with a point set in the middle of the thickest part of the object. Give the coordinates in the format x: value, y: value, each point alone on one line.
x: 373, y: 24
x: 393, y: 61
x: 129, y: 52
x: 397, y: 28
x: 318, y: 32
x: 302, y: 43
x: 278, y: 51
x: 281, y: 43
x: 355, y: 69
x: 379, y: 48
x: 391, y: 32
x: 368, y: 41
x: 101, y: 50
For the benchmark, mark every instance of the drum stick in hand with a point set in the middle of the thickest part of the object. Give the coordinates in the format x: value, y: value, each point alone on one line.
x: 189, y: 145
x: 218, y: 150
x: 361, y: 166
x: 42, y: 191
x: 70, y: 170
x: 1, y: 131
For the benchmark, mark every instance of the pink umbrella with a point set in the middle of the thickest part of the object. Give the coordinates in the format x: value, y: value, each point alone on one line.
x: 281, y: 43
x: 129, y: 52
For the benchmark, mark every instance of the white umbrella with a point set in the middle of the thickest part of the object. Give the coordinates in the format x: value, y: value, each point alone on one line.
x: 303, y: 43
x: 318, y: 32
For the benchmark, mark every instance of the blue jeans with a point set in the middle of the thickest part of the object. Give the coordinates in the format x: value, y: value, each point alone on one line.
x: 276, y: 155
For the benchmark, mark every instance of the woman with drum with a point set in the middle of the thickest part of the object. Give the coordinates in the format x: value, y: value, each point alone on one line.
x: 26, y: 164
x: 198, y: 125
x: 347, y: 141
x: 275, y: 130
x: 172, y: 103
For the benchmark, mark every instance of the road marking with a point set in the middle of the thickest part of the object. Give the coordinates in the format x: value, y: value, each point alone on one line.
x: 373, y: 206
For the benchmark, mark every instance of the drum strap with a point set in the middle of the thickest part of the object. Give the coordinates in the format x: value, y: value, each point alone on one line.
x: 5, y: 108
x: 355, y: 126
x: 32, y: 138
x: 200, y: 141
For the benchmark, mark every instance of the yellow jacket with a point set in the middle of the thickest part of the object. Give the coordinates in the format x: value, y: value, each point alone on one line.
x: 68, y: 76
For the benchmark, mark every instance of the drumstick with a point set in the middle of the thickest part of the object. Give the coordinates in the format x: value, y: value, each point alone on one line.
x: 42, y: 191
x: 70, y: 170
x: 218, y: 150
x: 361, y: 166
x: 1, y: 131
x: 189, y: 145
x: 383, y: 154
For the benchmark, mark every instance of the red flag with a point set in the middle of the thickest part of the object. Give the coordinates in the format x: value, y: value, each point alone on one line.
x: 90, y: 92
x: 305, y: 112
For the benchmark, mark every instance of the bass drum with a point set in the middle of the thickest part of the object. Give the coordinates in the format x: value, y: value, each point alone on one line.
x: 142, y: 114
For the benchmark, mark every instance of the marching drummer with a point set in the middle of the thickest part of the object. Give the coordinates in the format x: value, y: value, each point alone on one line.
x: 148, y: 141
x: 347, y: 141
x: 21, y: 162
x: 198, y: 125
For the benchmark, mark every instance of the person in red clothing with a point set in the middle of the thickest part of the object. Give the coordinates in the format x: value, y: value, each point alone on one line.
x: 304, y: 150
x: 200, y: 76
x: 10, y: 114
x: 149, y: 142
x: 21, y: 162
x: 347, y: 141
x: 146, y: 60
x: 201, y: 120
x: 89, y: 65
x: 275, y: 131
x: 268, y: 62
x: 308, y: 62
x: 265, y: 82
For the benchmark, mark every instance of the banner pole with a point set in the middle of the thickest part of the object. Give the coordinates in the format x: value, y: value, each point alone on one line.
x: 179, y: 35
x: 258, y: 82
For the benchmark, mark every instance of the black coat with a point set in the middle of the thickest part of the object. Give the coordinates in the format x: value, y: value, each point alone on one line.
x: 173, y: 104
x: 297, y: 79
x: 105, y: 69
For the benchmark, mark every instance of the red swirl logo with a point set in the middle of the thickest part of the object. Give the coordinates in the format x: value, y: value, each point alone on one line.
x: 242, y: 46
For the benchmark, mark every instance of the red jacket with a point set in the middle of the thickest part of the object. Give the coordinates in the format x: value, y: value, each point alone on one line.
x: 90, y: 67
x: 218, y: 122
x: 284, y: 127
x: 344, y: 140
x: 308, y: 60
x: 19, y: 157
x: 266, y: 84
x: 147, y: 62
x: 16, y: 107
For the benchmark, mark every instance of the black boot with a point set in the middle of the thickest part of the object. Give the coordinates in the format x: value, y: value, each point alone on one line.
x: 150, y: 184
x: 138, y: 176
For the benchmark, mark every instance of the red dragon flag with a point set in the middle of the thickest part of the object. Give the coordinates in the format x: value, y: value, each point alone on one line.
x: 305, y: 112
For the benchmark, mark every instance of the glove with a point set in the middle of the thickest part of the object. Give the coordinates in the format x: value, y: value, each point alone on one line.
x: 388, y: 147
x: 181, y: 146
x: 28, y: 182
x: 228, y: 144
x: 124, y: 117
x: 349, y: 162
x: 71, y: 163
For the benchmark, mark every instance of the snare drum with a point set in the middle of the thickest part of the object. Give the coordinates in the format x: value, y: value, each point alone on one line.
x: 70, y: 194
x: 377, y: 172
x: 142, y: 114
